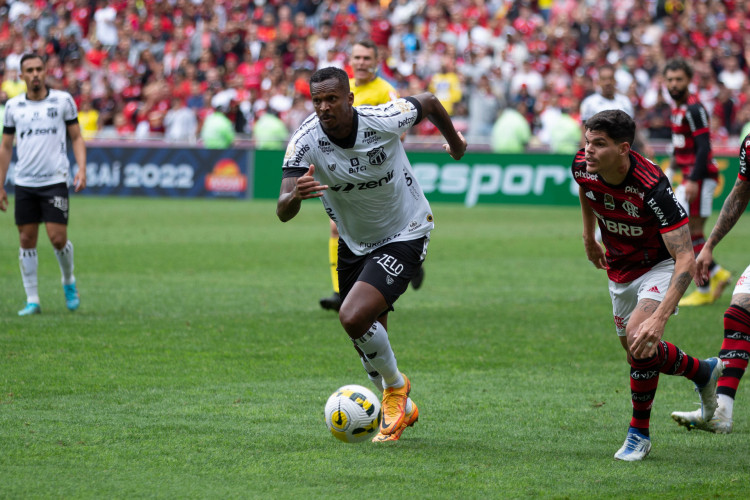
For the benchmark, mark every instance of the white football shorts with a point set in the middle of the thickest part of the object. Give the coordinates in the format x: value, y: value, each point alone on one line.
x: 625, y: 296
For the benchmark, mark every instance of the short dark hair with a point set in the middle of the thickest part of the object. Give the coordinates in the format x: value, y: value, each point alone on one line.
x: 678, y: 64
x: 367, y: 43
x: 615, y: 123
x: 30, y: 55
x: 608, y: 66
x: 328, y: 73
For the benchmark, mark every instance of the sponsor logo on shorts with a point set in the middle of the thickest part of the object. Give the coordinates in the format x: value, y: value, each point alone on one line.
x: 390, y: 264
x: 619, y: 322
x: 60, y: 202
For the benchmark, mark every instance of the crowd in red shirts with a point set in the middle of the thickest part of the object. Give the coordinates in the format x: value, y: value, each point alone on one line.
x: 131, y: 61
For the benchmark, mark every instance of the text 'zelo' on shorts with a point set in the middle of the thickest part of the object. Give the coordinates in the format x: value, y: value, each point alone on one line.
x: 625, y: 296
x: 389, y: 268
x: 42, y: 204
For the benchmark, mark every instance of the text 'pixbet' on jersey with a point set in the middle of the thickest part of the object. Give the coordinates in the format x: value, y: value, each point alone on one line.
x: 361, y: 186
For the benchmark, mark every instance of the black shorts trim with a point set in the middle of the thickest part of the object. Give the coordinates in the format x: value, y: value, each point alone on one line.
x: 389, y: 268
x: 41, y: 204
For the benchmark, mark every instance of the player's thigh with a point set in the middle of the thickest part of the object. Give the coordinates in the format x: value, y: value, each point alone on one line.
x: 55, y: 204
x: 626, y: 297
x: 28, y: 206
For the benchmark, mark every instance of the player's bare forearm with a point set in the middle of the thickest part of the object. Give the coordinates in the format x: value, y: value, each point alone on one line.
x: 733, y: 208
x: 288, y: 205
x: 434, y: 111
x: 681, y: 248
x: 296, y: 189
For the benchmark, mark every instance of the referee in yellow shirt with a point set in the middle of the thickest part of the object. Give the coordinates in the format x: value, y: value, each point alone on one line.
x: 368, y: 88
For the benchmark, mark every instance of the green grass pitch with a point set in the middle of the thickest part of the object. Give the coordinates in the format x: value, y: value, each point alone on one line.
x: 199, y: 364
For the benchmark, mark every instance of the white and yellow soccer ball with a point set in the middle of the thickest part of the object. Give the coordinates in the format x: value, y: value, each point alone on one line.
x: 353, y: 413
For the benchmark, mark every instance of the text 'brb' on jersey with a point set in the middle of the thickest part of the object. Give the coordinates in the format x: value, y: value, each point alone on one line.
x: 372, y: 196
x: 41, y: 132
x: 632, y: 216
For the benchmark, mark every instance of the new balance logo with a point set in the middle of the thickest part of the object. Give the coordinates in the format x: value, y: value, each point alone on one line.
x: 654, y: 289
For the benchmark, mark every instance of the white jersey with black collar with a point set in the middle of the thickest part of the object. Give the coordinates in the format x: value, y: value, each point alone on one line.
x: 372, y: 196
x: 40, y: 128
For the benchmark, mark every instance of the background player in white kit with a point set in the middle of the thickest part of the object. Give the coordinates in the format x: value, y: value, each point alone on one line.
x: 41, y: 120
x: 353, y: 159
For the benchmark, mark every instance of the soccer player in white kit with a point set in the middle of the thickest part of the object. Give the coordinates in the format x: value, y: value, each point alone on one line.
x: 39, y: 121
x: 354, y: 161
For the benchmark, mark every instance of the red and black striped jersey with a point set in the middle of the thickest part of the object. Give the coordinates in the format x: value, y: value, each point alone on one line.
x: 632, y: 216
x: 744, y: 173
x: 689, y: 122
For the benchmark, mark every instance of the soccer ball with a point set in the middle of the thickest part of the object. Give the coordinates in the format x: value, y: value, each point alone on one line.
x: 353, y: 413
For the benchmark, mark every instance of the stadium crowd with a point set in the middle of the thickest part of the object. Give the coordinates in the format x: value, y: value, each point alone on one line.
x: 151, y: 69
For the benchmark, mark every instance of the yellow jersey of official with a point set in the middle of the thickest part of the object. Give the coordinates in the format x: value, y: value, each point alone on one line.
x: 378, y: 91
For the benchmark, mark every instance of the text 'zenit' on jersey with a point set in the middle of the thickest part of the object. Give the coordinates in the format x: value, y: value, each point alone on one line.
x: 373, y: 195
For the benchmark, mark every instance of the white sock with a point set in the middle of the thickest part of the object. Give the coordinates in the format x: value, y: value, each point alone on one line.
x: 375, y: 377
x: 377, y: 381
x: 375, y: 345
x: 29, y: 262
x: 726, y: 404
x: 65, y: 259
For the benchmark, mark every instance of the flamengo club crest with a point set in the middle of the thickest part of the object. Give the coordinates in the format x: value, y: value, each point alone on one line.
x: 630, y: 208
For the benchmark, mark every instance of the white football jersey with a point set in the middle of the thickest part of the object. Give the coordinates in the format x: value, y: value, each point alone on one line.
x: 372, y: 196
x: 595, y: 103
x: 41, y: 131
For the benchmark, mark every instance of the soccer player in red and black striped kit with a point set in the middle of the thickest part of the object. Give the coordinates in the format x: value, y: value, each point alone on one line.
x: 649, y: 262
x: 735, y: 349
x: 692, y: 156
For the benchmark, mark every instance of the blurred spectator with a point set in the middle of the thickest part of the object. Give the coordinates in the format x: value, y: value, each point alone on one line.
x: 105, y: 16
x: 88, y: 118
x: 484, y: 106
x: 565, y: 133
x: 511, y: 132
x: 732, y: 76
x: 446, y: 85
x: 12, y: 84
x: 217, y: 131
x: 180, y: 123
x: 269, y: 131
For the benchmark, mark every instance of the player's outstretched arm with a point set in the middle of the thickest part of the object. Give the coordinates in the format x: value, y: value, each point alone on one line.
x: 733, y: 208
x: 296, y: 189
x: 434, y: 111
